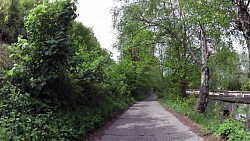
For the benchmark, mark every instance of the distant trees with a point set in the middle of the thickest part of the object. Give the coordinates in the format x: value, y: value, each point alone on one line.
x: 137, y: 46
x: 225, y: 68
x: 12, y: 18
x: 12, y: 13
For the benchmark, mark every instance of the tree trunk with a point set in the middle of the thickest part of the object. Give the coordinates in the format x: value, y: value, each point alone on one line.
x: 183, y: 88
x: 243, y: 23
x: 204, y: 89
x: 248, y: 48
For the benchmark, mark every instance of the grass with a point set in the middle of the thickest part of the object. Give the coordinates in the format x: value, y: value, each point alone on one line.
x: 208, y: 121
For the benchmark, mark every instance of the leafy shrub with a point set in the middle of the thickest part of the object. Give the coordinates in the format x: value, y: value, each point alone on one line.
x: 233, y: 130
x: 25, y: 118
x: 6, y: 136
x: 245, y: 86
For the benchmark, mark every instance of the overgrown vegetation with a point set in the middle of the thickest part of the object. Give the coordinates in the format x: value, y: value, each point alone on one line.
x: 194, y: 44
x: 12, y: 18
x: 57, y: 83
x: 211, y: 122
x: 62, y: 84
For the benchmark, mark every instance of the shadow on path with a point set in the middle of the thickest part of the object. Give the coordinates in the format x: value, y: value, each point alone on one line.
x: 152, y: 97
x: 146, y: 121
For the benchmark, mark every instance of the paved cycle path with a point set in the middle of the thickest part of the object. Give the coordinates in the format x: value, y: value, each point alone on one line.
x: 147, y: 121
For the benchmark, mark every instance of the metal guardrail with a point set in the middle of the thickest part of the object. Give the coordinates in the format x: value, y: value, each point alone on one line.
x: 231, y: 101
x: 225, y: 93
x: 227, y: 96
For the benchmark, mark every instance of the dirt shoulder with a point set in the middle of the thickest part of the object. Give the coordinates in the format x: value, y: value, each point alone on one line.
x: 194, y: 127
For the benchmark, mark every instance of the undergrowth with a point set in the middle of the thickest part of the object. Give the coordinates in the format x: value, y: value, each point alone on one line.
x: 25, y: 118
x: 210, y: 122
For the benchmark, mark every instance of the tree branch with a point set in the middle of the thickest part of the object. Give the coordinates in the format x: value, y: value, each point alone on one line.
x: 248, y: 3
x: 174, y: 36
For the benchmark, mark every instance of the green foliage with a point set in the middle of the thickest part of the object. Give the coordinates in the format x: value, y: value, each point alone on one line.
x: 12, y: 18
x: 12, y: 14
x: 45, y: 58
x: 233, y: 130
x: 63, y: 84
x: 25, y: 118
x: 210, y: 122
x: 245, y: 85
x: 5, y: 61
x: 225, y: 69
x: 83, y: 38
x: 185, y: 106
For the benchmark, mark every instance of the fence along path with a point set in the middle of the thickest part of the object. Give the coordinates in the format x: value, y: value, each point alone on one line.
x: 234, y: 103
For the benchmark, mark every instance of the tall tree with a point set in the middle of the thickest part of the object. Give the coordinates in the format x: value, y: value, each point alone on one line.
x: 181, y: 21
x: 242, y: 8
x: 136, y: 44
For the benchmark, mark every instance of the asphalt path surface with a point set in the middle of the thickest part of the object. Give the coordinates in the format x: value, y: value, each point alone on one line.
x: 147, y: 121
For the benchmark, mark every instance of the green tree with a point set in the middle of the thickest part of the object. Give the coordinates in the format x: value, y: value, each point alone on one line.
x: 12, y: 18
x: 225, y: 68
x: 242, y: 9
x: 181, y: 21
x: 12, y: 14
x: 136, y: 45
x: 45, y: 58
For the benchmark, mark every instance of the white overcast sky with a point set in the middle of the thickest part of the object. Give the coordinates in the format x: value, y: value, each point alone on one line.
x: 96, y: 14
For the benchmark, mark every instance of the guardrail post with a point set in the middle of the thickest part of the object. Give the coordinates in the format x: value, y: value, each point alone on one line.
x: 247, y: 118
x: 236, y: 115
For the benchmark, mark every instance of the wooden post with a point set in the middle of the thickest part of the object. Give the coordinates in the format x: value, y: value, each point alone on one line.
x: 247, y: 118
x: 234, y: 110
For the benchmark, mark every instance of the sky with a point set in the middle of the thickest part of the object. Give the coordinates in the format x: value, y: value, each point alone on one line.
x: 96, y: 15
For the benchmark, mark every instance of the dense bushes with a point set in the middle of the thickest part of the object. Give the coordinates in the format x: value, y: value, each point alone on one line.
x: 233, y: 130
x: 26, y: 118
x: 63, y: 85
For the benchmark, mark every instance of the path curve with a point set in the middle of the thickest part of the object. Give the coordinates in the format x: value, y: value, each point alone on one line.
x: 147, y: 121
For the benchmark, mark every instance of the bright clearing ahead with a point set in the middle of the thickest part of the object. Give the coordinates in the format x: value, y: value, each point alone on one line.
x: 96, y: 14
